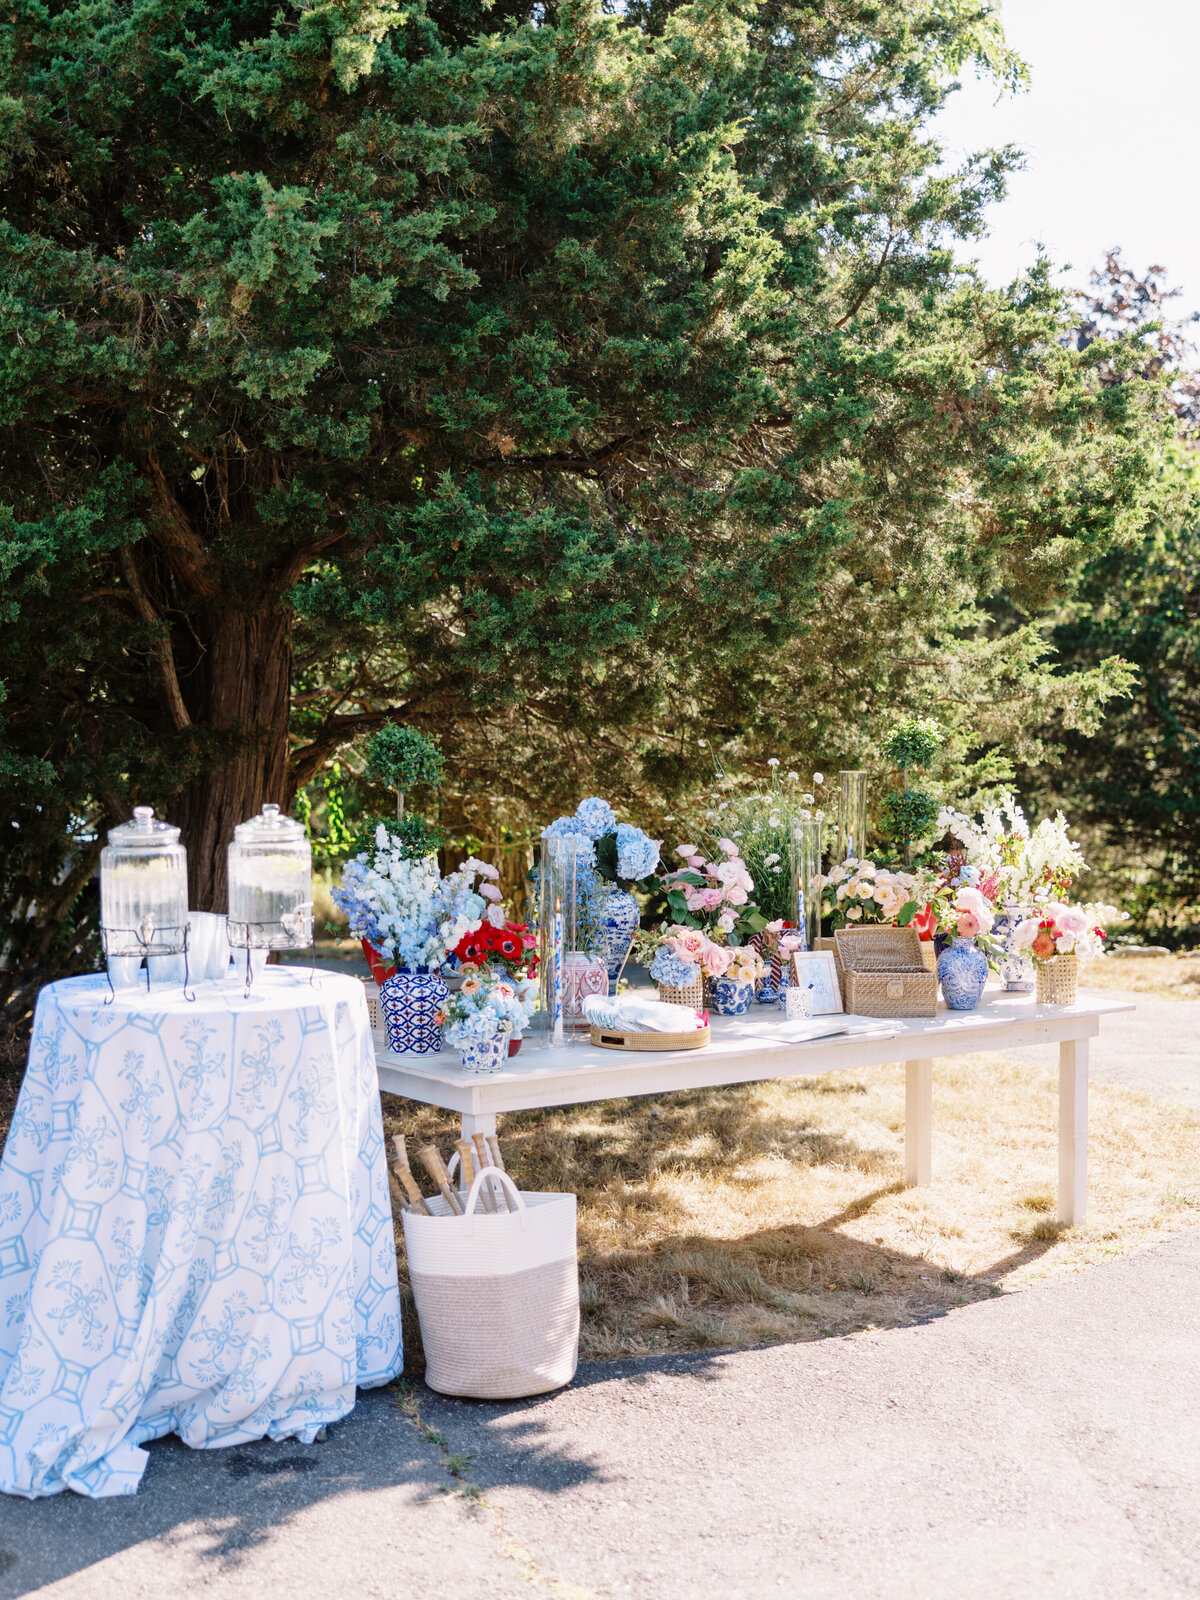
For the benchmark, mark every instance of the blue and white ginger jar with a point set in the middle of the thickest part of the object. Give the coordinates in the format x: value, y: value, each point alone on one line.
x: 1015, y: 967
x: 412, y: 1003
x: 731, y: 996
x: 484, y: 1055
x: 619, y: 916
x: 962, y: 971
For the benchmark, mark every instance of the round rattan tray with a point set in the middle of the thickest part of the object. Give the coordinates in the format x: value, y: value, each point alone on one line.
x: 621, y: 1039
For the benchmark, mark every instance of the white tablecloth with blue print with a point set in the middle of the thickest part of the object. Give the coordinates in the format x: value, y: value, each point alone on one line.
x: 195, y: 1226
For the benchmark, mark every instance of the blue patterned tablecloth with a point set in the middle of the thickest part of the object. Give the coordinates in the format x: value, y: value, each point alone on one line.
x: 195, y: 1226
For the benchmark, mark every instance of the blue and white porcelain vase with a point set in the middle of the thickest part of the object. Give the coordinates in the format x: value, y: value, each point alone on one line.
x: 484, y: 1055
x: 962, y: 971
x: 412, y: 1003
x: 619, y: 916
x: 1015, y: 967
x: 731, y: 996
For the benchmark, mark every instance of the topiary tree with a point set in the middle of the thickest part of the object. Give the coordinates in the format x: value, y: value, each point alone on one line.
x: 912, y: 744
x: 402, y: 758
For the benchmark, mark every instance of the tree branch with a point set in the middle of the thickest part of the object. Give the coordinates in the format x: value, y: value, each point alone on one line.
x: 166, y: 656
x: 172, y: 530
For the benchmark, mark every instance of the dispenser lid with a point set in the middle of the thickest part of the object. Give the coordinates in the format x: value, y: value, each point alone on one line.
x: 144, y: 832
x: 270, y: 826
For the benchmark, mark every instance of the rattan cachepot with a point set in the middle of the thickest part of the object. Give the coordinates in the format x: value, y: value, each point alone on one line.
x: 1058, y: 980
x: 689, y: 994
x: 623, y: 1039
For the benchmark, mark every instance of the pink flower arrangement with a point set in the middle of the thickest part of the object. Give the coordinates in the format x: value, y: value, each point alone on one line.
x: 714, y: 892
x: 1060, y: 930
x: 694, y: 947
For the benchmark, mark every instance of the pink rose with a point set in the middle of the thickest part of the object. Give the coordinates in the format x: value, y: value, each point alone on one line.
x: 693, y: 897
x: 687, y: 851
x: 711, y: 898
x: 696, y: 863
x: 689, y: 943
x: 969, y: 902
x: 727, y: 921
x: 1025, y: 933
x: 716, y: 960
x: 774, y: 927
x: 1072, y: 920
x: 969, y: 925
x: 489, y: 891
x: 728, y: 846
x: 735, y: 895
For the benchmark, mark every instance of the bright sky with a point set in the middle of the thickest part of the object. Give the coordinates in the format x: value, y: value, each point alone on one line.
x: 1111, y: 129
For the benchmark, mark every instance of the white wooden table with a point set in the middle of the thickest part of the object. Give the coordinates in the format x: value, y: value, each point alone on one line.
x: 747, y: 1049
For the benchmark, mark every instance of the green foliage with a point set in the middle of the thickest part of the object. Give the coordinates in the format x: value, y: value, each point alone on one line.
x: 416, y: 837
x: 913, y: 742
x: 577, y: 384
x: 402, y: 758
x: 909, y: 814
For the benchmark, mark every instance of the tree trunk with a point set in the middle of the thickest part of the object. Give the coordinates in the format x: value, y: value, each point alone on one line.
x: 246, y: 677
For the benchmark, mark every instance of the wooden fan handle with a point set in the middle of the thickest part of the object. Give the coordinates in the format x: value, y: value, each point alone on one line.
x: 493, y: 1145
x: 436, y: 1168
x: 404, y: 1174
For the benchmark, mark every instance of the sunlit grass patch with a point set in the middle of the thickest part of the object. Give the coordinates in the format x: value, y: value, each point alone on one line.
x: 777, y: 1211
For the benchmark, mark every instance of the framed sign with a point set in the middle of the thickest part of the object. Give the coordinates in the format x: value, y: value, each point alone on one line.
x: 816, y: 971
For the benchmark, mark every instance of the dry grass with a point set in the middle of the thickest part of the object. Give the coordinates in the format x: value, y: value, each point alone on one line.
x: 768, y: 1212
x: 1171, y: 977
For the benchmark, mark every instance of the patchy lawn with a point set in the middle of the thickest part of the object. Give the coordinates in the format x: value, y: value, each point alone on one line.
x: 775, y: 1211
x: 1171, y: 977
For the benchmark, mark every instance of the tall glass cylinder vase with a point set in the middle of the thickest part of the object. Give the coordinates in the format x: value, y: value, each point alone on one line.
x: 570, y: 963
x: 852, y: 816
x: 807, y: 857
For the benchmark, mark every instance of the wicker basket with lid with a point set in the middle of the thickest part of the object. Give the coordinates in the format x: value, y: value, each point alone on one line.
x: 883, y: 973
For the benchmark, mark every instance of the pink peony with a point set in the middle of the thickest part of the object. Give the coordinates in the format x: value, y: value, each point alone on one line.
x: 1071, y: 920
x: 969, y: 925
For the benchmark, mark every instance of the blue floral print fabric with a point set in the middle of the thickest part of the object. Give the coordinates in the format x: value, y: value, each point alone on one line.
x: 195, y: 1226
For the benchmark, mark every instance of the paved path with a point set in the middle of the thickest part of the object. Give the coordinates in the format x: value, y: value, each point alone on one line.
x: 1156, y: 1047
x: 1041, y: 1444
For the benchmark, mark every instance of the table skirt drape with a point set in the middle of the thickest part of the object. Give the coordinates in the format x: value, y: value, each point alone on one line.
x: 195, y: 1226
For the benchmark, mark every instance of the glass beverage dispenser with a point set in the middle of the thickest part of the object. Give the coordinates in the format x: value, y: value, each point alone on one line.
x: 143, y: 892
x: 270, y: 884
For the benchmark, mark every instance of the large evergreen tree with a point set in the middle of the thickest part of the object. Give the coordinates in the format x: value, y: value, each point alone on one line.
x: 523, y: 372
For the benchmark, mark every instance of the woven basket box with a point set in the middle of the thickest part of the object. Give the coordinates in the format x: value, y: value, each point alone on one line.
x: 884, y: 974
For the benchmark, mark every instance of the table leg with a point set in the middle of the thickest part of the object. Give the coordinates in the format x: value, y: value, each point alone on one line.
x: 1072, y: 1130
x: 478, y: 1122
x: 918, y: 1123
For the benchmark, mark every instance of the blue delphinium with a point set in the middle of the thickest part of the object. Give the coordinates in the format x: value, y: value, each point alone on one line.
x: 597, y: 817
x: 637, y: 853
x: 670, y: 967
